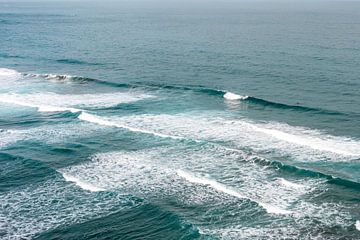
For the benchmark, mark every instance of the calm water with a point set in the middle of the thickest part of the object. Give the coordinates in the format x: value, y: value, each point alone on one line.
x: 169, y: 120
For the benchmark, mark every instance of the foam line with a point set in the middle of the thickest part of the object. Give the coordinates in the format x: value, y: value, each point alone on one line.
x: 40, y: 108
x: 308, y: 141
x: 45, y: 108
x: 222, y: 188
x: 357, y: 225
x: 101, y: 121
x: 81, y: 184
x: 71, y: 100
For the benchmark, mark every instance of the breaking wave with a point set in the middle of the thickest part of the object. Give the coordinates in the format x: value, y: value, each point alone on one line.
x: 233, y: 96
x: 82, y: 184
x: 200, y: 89
x: 222, y: 188
x: 52, y: 102
x: 7, y: 74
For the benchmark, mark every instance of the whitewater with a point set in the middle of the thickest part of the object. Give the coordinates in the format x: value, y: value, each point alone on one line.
x: 154, y: 120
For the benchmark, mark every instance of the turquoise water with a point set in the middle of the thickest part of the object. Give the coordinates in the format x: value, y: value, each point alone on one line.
x: 169, y: 120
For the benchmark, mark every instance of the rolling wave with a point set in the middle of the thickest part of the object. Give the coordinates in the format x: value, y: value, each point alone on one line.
x: 303, y: 172
x: 159, y: 173
x: 200, y: 89
x: 234, y: 96
x: 77, y: 79
x: 147, y: 173
x: 59, y: 77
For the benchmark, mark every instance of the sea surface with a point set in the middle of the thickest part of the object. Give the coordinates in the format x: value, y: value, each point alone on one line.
x: 179, y: 120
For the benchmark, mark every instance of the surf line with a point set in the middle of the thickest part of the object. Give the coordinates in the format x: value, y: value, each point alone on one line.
x: 88, y: 117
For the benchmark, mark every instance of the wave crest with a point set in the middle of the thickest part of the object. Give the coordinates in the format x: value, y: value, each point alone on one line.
x: 9, y: 74
x: 232, y: 96
x: 82, y: 184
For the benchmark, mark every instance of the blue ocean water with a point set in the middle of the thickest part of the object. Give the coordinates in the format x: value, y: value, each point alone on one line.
x: 179, y: 120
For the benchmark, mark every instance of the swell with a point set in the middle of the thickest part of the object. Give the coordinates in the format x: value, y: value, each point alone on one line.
x: 248, y: 99
x: 17, y: 171
x: 76, y: 62
x: 76, y: 79
x: 146, y: 221
x: 303, y: 172
x: 196, y: 89
x: 267, y: 103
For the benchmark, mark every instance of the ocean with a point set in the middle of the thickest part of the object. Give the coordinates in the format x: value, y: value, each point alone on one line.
x: 179, y: 120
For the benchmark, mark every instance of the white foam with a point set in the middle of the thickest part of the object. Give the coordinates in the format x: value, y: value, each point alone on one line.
x: 8, y: 74
x: 32, y: 209
x: 232, y: 96
x: 51, y: 134
x: 102, y: 121
x: 215, y: 185
x: 222, y: 188
x: 327, y: 145
x: 64, y: 102
x: 357, y: 225
x: 81, y: 184
x: 159, y: 173
x: 303, y: 144
x: 95, y: 119
x: 40, y: 108
x: 289, y: 184
x: 45, y: 108
x: 50, y: 101
x: 273, y: 209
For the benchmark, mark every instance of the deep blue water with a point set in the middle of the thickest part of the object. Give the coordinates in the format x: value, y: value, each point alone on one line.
x: 179, y: 120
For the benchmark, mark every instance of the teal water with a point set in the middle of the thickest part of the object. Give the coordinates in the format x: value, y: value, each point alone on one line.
x: 169, y: 120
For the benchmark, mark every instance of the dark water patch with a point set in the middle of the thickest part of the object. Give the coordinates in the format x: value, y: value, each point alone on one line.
x: 36, y: 119
x: 59, y: 151
x: 142, y: 222
x: 5, y: 55
x: 17, y: 171
x: 76, y: 62
x: 9, y: 21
